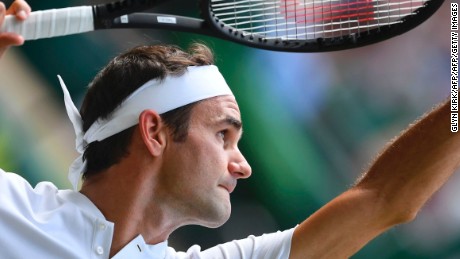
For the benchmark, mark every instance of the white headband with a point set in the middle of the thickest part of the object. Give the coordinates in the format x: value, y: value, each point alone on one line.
x: 197, y: 83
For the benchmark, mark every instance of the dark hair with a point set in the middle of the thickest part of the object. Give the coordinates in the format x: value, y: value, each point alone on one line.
x: 121, y: 77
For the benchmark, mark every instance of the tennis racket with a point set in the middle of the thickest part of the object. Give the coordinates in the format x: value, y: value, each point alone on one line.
x: 281, y: 25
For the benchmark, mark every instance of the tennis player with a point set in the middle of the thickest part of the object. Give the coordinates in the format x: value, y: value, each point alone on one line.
x: 158, y: 136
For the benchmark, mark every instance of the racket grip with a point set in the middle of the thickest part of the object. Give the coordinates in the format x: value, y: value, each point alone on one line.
x: 51, y: 23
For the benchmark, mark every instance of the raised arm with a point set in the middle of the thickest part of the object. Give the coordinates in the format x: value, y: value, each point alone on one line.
x: 392, y: 191
x: 21, y: 10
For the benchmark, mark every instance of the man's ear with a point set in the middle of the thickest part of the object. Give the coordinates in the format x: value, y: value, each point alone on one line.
x: 152, y: 131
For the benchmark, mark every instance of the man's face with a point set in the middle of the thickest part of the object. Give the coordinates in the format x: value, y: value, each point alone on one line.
x: 200, y: 173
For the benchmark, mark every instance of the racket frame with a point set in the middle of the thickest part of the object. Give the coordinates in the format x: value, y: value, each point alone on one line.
x: 321, y: 44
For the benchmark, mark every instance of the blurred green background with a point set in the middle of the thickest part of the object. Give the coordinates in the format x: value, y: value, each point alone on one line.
x: 313, y: 122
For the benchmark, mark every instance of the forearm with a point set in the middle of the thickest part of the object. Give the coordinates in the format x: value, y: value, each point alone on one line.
x: 415, y: 165
x: 395, y: 187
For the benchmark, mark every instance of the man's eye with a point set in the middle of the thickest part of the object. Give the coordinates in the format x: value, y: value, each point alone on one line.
x: 221, y: 134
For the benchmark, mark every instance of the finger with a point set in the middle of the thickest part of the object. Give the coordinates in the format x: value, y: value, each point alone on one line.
x: 2, y: 13
x: 20, y: 9
x: 9, y: 39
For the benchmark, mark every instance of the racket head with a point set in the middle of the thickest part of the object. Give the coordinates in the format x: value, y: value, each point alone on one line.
x: 315, y: 25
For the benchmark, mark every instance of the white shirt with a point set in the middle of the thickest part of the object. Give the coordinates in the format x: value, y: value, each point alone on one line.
x: 44, y: 222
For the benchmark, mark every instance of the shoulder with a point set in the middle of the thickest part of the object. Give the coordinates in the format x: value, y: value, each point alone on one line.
x: 50, y: 217
x: 272, y: 245
x: 18, y: 190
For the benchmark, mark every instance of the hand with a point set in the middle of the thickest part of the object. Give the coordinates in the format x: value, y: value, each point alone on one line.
x: 21, y: 10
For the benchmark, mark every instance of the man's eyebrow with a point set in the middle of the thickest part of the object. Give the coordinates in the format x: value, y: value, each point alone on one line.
x: 236, y: 123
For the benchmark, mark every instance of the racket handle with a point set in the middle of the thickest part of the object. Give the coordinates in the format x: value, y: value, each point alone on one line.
x: 51, y: 23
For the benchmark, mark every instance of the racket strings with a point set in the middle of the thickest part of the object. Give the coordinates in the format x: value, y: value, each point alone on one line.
x: 311, y: 19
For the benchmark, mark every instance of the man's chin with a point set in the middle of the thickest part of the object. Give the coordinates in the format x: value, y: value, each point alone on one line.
x: 214, y: 224
x: 218, y: 219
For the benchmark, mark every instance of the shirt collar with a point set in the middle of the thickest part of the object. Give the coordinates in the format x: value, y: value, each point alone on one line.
x: 83, y: 202
x: 137, y: 248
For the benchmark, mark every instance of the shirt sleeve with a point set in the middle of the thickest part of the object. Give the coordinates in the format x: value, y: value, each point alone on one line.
x: 274, y: 246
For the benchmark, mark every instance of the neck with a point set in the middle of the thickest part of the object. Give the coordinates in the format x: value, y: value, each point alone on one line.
x: 131, y: 206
